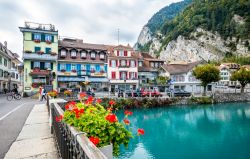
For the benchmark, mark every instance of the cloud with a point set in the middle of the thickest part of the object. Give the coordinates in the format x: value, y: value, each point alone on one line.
x: 95, y: 21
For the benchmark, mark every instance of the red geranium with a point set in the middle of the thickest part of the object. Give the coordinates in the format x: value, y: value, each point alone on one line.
x: 59, y: 118
x: 111, y: 118
x: 78, y: 112
x: 70, y: 105
x: 128, y: 112
x: 82, y: 95
x: 140, y: 131
x: 89, y: 100
x: 109, y: 109
x: 111, y: 102
x: 94, y: 140
x: 126, y: 121
x: 98, y: 100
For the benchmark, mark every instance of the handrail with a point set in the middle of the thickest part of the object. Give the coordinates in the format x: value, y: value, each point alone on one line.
x: 71, y: 142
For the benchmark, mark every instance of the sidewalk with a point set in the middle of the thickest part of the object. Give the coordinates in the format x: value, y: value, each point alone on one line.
x: 35, y: 139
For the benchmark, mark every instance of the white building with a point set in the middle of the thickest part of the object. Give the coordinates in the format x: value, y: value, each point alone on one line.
x: 226, y: 70
x: 122, y: 68
x: 9, y: 73
x: 182, y: 77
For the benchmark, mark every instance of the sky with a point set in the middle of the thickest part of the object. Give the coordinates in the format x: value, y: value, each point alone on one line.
x: 94, y: 21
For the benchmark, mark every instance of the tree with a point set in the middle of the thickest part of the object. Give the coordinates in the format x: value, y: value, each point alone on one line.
x: 243, y: 76
x: 162, y: 80
x: 206, y: 74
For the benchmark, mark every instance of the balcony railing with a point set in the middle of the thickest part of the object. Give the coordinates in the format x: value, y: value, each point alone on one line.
x: 31, y: 56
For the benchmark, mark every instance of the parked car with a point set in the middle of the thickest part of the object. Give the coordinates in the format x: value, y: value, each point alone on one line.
x: 181, y: 93
x: 153, y: 94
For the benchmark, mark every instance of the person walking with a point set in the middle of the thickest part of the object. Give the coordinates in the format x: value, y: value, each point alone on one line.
x: 40, y: 93
x: 43, y: 94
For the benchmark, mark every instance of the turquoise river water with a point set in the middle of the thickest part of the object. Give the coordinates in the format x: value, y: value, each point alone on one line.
x: 190, y: 132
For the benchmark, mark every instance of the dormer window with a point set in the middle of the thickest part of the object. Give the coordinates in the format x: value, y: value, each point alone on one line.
x: 83, y: 54
x: 63, y: 53
x: 102, y: 56
x: 73, y: 53
x: 92, y: 55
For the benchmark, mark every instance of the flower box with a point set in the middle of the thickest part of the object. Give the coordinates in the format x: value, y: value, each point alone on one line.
x: 73, y: 57
x: 37, y: 40
x: 28, y: 51
x: 92, y: 71
x: 102, y: 71
x: 53, y: 53
x: 63, y: 70
x: 73, y: 71
x: 36, y: 69
x: 48, y: 42
x: 40, y: 52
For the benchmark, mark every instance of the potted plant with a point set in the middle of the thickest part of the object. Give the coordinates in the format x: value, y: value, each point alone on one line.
x: 37, y: 40
x: 63, y: 70
x: 73, y: 71
x: 40, y: 52
x: 48, y: 42
x: 67, y: 93
x: 101, y: 125
x: 53, y: 93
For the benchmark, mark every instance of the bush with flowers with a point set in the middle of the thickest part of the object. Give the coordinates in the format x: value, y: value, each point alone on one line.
x: 53, y: 93
x: 67, y: 93
x: 100, y: 124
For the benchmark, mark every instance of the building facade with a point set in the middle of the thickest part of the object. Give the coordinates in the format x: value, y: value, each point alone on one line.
x: 226, y: 70
x: 9, y: 73
x: 80, y: 62
x: 40, y: 49
x: 122, y: 68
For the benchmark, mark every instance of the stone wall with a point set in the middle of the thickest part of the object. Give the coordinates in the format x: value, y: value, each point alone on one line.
x: 231, y: 97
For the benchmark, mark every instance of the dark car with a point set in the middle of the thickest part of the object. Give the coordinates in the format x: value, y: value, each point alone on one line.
x: 181, y: 93
x: 136, y: 93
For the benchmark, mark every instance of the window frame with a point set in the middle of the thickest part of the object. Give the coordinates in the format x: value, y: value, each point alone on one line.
x: 45, y: 65
x: 91, y: 55
x: 37, y: 64
x: 37, y: 36
x: 47, y: 39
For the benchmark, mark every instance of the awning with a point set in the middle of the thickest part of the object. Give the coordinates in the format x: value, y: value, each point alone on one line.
x: 92, y: 79
x: 71, y: 79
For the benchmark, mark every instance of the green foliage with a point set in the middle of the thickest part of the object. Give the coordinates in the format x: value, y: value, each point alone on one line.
x: 212, y: 15
x: 93, y: 122
x: 243, y: 76
x: 206, y: 73
x: 144, y: 48
x: 201, y: 100
x: 165, y: 14
x: 242, y: 60
x: 162, y: 80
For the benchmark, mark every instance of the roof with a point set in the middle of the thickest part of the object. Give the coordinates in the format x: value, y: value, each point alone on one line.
x: 231, y: 65
x: 177, y: 68
x: 129, y: 48
x: 78, y: 44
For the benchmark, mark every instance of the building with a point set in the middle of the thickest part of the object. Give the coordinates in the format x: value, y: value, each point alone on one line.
x: 80, y: 62
x: 40, y: 48
x: 182, y: 77
x: 148, y: 69
x: 122, y: 68
x: 9, y: 74
x: 226, y: 70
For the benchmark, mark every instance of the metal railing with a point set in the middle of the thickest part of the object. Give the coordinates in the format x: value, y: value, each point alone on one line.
x: 71, y: 143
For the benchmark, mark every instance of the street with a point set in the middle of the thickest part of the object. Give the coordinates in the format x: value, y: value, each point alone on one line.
x: 13, y: 115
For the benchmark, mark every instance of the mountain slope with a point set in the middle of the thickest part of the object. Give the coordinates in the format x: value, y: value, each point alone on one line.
x: 206, y: 29
x: 157, y: 20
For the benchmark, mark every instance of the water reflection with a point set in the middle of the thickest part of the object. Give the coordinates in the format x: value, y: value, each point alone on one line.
x: 192, y: 132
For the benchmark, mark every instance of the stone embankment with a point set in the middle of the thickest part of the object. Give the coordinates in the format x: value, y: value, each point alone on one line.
x: 231, y: 97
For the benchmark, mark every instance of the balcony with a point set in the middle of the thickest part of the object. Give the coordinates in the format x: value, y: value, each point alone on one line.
x: 35, y: 56
x: 38, y: 72
x: 132, y: 81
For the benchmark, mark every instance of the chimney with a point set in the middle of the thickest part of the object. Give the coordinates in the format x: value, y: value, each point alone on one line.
x: 5, y: 44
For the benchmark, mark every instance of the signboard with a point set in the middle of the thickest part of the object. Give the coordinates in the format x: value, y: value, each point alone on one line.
x: 27, y: 88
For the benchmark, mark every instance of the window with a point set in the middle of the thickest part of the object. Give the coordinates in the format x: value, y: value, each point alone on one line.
x: 36, y: 64
x: 101, y: 56
x: 113, y: 63
x: 63, y: 66
x: 16, y: 76
x: 47, y: 65
x: 48, y: 38
x: 123, y: 75
x: 152, y: 64
x: 83, y: 67
x: 83, y: 54
x: 123, y: 63
x: 63, y: 52
x: 140, y: 63
x: 113, y: 75
x: 47, y: 50
x: 73, y: 53
x: 1, y: 60
x: 157, y: 65
x: 73, y: 67
x: 121, y: 53
x: 132, y: 75
x: 37, y: 36
x: 5, y: 62
x: 125, y: 53
x: 1, y: 73
x: 132, y: 63
x: 92, y: 55
x: 37, y: 49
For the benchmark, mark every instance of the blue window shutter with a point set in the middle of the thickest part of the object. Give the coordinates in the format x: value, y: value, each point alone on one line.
x: 51, y: 65
x: 43, y: 37
x: 52, y: 38
x: 105, y: 68
x: 78, y: 67
x: 32, y: 36
x: 88, y: 67
x: 68, y: 67
x: 97, y: 68
x: 31, y: 64
x: 59, y: 67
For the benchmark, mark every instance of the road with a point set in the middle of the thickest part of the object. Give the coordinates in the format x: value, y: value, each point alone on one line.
x: 13, y: 115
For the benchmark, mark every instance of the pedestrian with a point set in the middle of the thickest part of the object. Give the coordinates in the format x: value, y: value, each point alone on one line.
x: 43, y: 94
x: 5, y: 90
x: 40, y: 92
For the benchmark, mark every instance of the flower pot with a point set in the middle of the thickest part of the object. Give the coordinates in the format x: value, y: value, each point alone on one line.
x: 107, y: 151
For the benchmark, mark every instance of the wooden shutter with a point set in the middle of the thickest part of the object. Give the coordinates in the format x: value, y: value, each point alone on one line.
x: 52, y: 38
x: 116, y: 63
x: 125, y: 53
x: 110, y: 63
x: 51, y: 65
x: 129, y: 75
x: 31, y: 64
x: 32, y: 36
x: 43, y: 37
x: 136, y: 75
x: 117, y: 52
x: 42, y: 64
